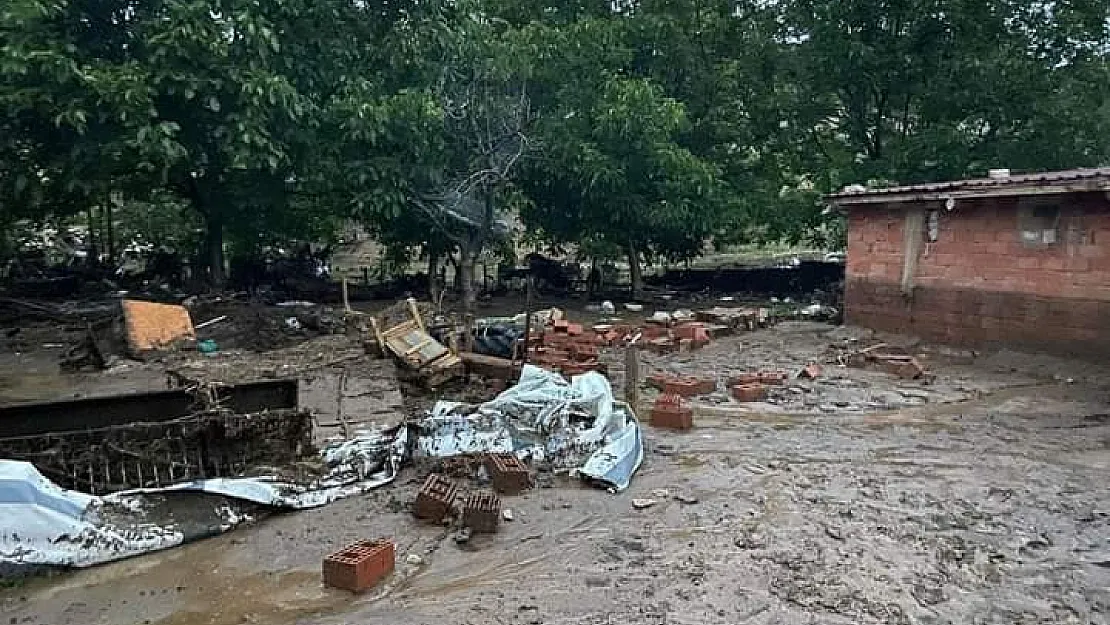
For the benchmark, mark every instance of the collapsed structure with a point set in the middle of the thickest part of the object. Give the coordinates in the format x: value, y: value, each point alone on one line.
x: 150, y: 440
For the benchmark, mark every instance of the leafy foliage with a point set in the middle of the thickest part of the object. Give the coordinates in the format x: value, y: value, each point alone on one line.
x: 641, y: 128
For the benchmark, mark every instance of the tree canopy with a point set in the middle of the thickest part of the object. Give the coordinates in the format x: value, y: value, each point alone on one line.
x: 642, y: 127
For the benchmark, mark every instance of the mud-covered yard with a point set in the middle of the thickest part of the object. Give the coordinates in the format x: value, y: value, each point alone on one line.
x: 855, y: 498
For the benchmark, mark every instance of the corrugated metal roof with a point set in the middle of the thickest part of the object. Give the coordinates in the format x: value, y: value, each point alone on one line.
x: 1094, y: 179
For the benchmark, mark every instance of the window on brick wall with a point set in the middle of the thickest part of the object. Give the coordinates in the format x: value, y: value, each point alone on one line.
x: 1039, y: 224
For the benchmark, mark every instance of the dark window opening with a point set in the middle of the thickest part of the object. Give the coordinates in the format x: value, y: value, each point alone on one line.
x: 1039, y: 225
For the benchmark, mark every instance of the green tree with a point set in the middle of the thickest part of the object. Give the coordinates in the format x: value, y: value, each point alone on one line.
x: 214, y: 101
x: 611, y: 172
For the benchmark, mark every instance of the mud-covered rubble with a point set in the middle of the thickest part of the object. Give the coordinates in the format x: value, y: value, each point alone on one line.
x: 790, y: 347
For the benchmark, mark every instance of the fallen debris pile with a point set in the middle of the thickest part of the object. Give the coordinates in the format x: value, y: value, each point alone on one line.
x: 45, y: 525
x: 572, y: 426
x: 893, y: 360
x: 411, y: 345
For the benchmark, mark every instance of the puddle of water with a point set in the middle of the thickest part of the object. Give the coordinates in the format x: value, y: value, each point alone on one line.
x: 188, y: 585
x: 269, y: 598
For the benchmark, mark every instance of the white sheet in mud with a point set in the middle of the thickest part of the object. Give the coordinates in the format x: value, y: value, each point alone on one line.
x: 577, y: 426
x: 42, y: 524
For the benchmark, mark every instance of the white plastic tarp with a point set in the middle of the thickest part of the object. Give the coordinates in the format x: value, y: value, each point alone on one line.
x: 576, y: 426
x: 42, y: 524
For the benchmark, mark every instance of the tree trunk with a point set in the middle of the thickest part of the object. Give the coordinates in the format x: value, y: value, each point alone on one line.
x: 215, y: 243
x: 433, y: 274
x: 93, y: 259
x: 109, y: 233
x: 635, y: 272
x: 466, y: 275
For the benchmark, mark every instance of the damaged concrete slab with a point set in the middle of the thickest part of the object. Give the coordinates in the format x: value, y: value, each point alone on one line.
x: 149, y: 440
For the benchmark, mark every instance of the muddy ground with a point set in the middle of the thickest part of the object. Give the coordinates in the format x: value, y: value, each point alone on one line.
x: 856, y: 498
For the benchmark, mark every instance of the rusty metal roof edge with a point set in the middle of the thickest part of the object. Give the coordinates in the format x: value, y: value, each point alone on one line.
x: 1093, y: 179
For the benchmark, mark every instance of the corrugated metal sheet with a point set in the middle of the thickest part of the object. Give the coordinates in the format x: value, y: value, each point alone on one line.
x: 1016, y: 184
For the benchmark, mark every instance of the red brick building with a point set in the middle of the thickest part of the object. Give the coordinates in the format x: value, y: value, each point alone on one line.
x: 1010, y: 259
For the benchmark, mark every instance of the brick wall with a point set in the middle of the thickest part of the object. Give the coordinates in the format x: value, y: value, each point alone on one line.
x: 980, y: 284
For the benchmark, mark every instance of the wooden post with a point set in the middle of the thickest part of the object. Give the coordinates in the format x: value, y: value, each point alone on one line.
x: 346, y: 300
x: 527, y: 321
x: 415, y: 312
x: 632, y: 375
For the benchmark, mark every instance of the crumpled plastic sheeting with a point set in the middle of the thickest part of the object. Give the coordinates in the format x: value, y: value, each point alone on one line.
x: 576, y: 426
x: 42, y: 524
x: 369, y: 460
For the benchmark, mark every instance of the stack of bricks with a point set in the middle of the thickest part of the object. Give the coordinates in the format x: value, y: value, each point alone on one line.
x: 682, y: 386
x: 509, y: 475
x: 694, y: 332
x: 752, y: 386
x: 568, y: 348
x: 481, y: 512
x: 435, y: 498
x: 359, y: 566
x: 669, y: 412
x: 683, y: 337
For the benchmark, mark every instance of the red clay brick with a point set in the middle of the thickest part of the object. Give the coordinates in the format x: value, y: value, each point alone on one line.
x: 744, y: 378
x: 482, y: 512
x: 749, y: 392
x: 693, y: 331
x: 669, y: 412
x: 662, y: 346
x: 435, y: 498
x: 508, y: 474
x: 682, y: 386
x: 772, y: 377
x: 583, y: 353
x: 359, y: 566
x: 575, y: 329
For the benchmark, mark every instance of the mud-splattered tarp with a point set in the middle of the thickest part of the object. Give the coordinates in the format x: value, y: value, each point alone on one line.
x: 42, y: 524
x: 576, y: 426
